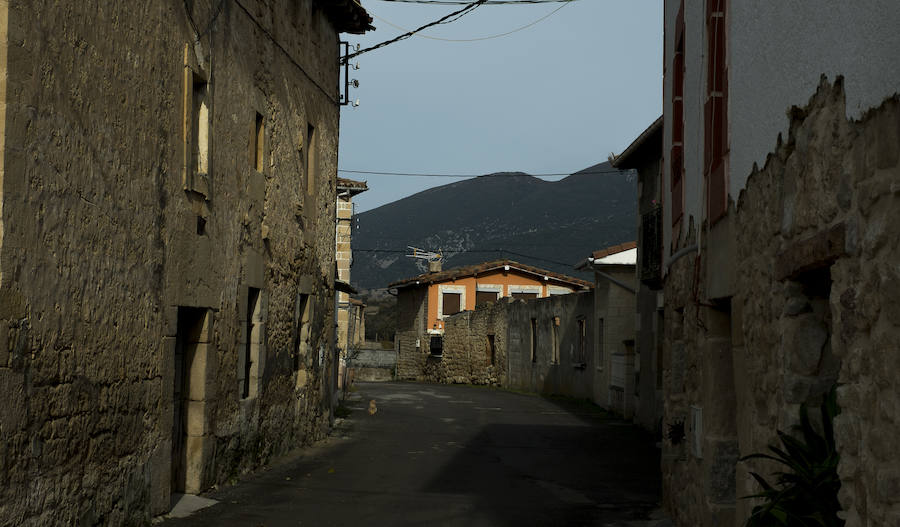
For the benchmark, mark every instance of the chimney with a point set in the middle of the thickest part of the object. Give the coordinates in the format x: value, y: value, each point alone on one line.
x: 434, y: 266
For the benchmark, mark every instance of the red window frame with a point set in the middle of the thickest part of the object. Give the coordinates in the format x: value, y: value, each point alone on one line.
x: 715, y: 112
x: 676, y: 154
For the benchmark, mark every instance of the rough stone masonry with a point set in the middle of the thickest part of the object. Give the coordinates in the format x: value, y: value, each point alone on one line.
x: 167, y: 247
x: 816, y: 237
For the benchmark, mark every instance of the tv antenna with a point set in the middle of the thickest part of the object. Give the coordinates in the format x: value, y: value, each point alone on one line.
x: 422, y: 254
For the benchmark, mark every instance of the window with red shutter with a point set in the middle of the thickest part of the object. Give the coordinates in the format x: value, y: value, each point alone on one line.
x: 715, y: 112
x: 676, y: 156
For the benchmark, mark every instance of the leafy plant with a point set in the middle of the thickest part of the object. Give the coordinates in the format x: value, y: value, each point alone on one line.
x: 806, y: 494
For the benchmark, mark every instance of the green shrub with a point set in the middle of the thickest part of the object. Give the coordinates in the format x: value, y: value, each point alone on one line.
x: 805, y: 495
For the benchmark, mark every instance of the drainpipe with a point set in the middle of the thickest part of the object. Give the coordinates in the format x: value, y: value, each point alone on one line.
x: 679, y: 254
x: 611, y: 278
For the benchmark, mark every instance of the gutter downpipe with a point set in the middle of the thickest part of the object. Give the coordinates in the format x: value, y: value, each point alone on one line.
x: 679, y: 254
x: 616, y: 281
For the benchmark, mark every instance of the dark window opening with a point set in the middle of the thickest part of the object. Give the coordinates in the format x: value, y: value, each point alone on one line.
x: 451, y: 303
x: 485, y: 297
x: 201, y: 225
x: 256, y: 150
x: 491, y: 349
x: 437, y: 345
x: 581, y: 340
x: 252, y: 303
x: 533, y: 340
x: 524, y: 296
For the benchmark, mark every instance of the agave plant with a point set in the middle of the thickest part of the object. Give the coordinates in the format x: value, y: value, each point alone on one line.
x: 804, y: 495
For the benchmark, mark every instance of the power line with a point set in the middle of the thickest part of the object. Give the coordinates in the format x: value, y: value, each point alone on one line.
x: 330, y: 95
x: 459, y: 2
x: 472, y: 251
x: 419, y: 174
x: 489, y: 2
x: 446, y: 19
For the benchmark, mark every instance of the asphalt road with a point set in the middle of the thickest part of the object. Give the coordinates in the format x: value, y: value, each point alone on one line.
x: 435, y: 455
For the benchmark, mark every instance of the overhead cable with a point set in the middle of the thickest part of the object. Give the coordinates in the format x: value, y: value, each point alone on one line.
x: 502, y: 174
x: 456, y: 15
x: 475, y: 39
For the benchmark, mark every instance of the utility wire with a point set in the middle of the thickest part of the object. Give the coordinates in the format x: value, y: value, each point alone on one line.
x: 330, y: 95
x: 470, y: 251
x: 489, y: 2
x: 475, y: 39
x: 416, y: 174
x: 443, y: 20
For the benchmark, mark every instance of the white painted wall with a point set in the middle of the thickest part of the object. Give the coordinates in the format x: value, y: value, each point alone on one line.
x: 777, y: 53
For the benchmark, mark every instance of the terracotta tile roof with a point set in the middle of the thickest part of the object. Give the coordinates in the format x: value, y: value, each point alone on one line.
x: 472, y: 270
x: 615, y: 249
x: 350, y: 183
x: 357, y: 302
x: 351, y: 186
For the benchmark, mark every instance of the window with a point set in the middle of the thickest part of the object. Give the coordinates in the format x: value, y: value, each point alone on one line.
x: 491, y: 349
x: 485, y: 297
x: 600, y: 347
x: 554, y: 332
x: 257, y: 143
x: 533, y: 340
x: 437, y: 345
x: 195, y: 148
x: 581, y: 340
x: 250, y: 370
x: 524, y: 296
x: 715, y: 111
x: 676, y: 157
x: 451, y: 303
x: 451, y: 300
x: 525, y: 292
x: 309, y: 159
x: 302, y: 322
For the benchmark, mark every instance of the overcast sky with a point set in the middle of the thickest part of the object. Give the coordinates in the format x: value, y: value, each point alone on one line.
x: 556, y: 97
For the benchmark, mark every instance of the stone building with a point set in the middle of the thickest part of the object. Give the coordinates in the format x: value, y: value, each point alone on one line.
x: 644, y: 155
x: 347, y: 310
x: 427, y: 302
x: 167, y: 249
x: 779, y: 183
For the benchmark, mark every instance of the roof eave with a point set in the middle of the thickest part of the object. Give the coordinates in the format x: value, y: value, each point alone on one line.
x: 624, y: 160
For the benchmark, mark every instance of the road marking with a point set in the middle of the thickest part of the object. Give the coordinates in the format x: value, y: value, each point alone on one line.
x: 494, y: 409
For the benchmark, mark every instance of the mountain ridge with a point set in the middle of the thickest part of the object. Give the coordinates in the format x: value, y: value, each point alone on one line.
x: 548, y: 224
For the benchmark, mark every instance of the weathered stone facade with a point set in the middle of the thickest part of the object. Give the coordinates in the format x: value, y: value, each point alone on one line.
x: 815, y: 302
x: 549, y: 347
x: 157, y: 247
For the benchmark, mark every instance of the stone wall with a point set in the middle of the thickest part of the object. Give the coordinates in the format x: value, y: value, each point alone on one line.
x: 474, y: 348
x: 815, y: 303
x: 556, y: 363
x: 411, y: 337
x: 138, y: 249
x: 373, y: 364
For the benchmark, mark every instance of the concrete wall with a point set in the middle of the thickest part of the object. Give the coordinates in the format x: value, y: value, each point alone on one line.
x: 556, y: 319
x: 815, y: 282
x: 615, y: 306
x: 105, y: 234
x: 373, y: 364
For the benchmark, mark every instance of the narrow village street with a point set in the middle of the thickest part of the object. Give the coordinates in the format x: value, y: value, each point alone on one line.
x: 455, y: 455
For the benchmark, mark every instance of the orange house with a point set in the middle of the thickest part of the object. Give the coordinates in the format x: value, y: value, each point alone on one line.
x: 461, y: 289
